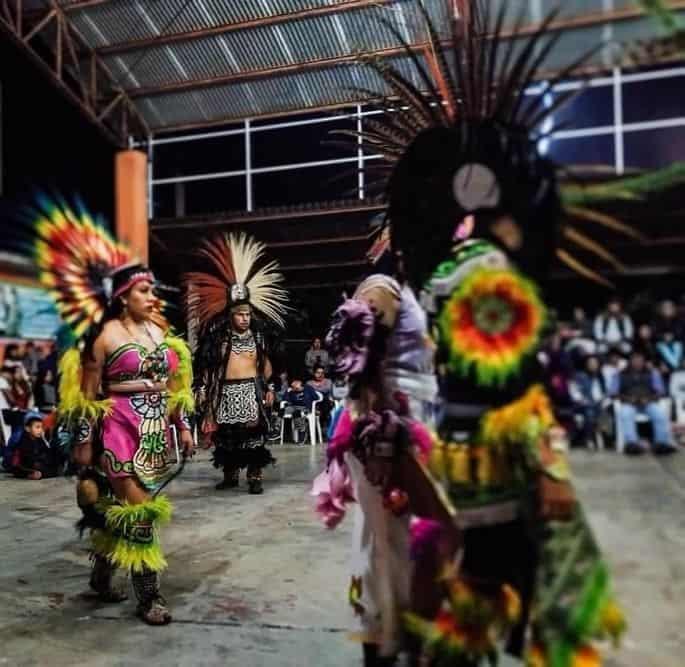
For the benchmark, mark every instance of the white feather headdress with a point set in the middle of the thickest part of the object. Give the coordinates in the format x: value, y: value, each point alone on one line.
x: 235, y: 259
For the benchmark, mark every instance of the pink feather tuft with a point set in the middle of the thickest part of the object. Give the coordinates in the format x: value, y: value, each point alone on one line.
x: 424, y: 536
x: 333, y: 491
x: 343, y: 437
x: 421, y: 438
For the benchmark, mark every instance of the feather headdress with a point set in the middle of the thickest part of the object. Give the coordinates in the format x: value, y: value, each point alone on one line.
x: 77, y: 258
x: 237, y: 278
x: 460, y: 136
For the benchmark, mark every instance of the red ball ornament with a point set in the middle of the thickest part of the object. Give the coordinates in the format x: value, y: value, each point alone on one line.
x: 396, y: 501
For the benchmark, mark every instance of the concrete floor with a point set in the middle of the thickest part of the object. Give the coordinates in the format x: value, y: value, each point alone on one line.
x: 256, y: 581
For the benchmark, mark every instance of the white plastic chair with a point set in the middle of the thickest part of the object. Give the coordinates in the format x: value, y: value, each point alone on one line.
x: 314, y: 421
x: 285, y: 417
x: 677, y: 392
x: 641, y: 418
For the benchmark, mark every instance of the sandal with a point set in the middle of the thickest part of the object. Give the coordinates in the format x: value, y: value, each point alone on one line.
x: 154, y: 612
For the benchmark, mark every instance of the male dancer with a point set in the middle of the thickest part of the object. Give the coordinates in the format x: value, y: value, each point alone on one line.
x: 231, y: 363
x: 465, y: 162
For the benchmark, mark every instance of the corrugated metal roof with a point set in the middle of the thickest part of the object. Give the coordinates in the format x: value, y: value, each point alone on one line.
x: 205, y: 61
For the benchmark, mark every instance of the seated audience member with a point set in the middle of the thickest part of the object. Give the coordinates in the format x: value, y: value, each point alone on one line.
x: 299, y: 399
x: 580, y: 334
x: 282, y: 385
x: 31, y: 359
x: 676, y: 385
x: 300, y: 395
x: 639, y: 389
x: 614, y: 328
x: 45, y: 392
x: 612, y: 367
x: 5, y: 402
x: 316, y: 356
x: 341, y: 389
x: 558, y: 369
x: 589, y: 397
x: 668, y: 319
x: 33, y: 457
x: 644, y: 342
x: 20, y: 389
x: 324, y: 386
x: 669, y: 353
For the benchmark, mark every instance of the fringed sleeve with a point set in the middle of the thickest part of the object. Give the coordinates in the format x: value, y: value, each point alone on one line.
x: 181, y: 400
x: 73, y: 404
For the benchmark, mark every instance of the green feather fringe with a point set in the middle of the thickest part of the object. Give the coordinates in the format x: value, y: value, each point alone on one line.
x: 181, y: 393
x: 73, y: 404
x: 631, y: 188
x: 125, y: 553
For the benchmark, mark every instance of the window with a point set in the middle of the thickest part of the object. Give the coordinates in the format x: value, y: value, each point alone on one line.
x: 583, y: 150
x: 653, y: 100
x: 202, y: 156
x: 298, y: 186
x: 302, y: 143
x: 654, y: 148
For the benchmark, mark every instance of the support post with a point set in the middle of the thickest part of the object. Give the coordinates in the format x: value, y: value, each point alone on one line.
x: 131, y: 201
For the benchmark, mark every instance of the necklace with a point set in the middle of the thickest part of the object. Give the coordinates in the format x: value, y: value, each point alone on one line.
x: 145, y: 330
x: 242, y: 342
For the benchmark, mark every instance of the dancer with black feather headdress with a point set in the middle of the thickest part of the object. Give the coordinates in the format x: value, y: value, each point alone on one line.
x: 232, y: 364
x: 476, y: 217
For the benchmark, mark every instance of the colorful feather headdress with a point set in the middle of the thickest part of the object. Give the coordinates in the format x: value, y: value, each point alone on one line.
x: 76, y: 258
x: 236, y: 279
x: 465, y: 114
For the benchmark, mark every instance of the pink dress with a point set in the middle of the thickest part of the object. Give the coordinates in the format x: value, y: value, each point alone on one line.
x: 136, y: 436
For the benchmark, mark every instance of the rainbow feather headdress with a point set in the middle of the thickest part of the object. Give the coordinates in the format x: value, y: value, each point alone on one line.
x: 76, y: 257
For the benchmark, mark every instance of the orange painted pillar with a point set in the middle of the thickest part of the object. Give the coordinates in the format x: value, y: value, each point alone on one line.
x: 130, y: 176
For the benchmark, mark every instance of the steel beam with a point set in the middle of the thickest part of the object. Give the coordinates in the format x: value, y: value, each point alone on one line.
x: 325, y: 265
x: 266, y: 215
x: 267, y: 73
x: 69, y: 50
x: 83, y: 4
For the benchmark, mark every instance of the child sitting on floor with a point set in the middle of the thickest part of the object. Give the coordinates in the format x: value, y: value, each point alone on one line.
x: 33, y: 457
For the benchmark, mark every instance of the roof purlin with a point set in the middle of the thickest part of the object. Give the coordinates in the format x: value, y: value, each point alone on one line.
x: 291, y: 17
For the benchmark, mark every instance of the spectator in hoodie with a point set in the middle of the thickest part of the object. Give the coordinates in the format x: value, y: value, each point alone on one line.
x: 589, y: 397
x: 34, y: 458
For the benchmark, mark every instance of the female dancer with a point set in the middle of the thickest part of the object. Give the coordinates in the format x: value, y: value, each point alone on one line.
x: 118, y: 395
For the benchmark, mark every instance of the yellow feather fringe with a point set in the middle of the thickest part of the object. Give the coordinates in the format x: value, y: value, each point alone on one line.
x: 512, y: 423
x: 180, y: 384
x: 125, y: 553
x: 73, y: 404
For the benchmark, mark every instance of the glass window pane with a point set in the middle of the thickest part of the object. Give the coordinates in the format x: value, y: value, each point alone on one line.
x: 203, y: 156
x: 302, y: 143
x: 653, y: 100
x: 654, y: 148
x: 299, y: 186
x: 583, y: 150
x: 226, y: 194
x: 592, y: 107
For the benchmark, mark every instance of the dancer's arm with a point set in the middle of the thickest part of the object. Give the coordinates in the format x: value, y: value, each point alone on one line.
x: 268, y: 372
x: 90, y: 385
